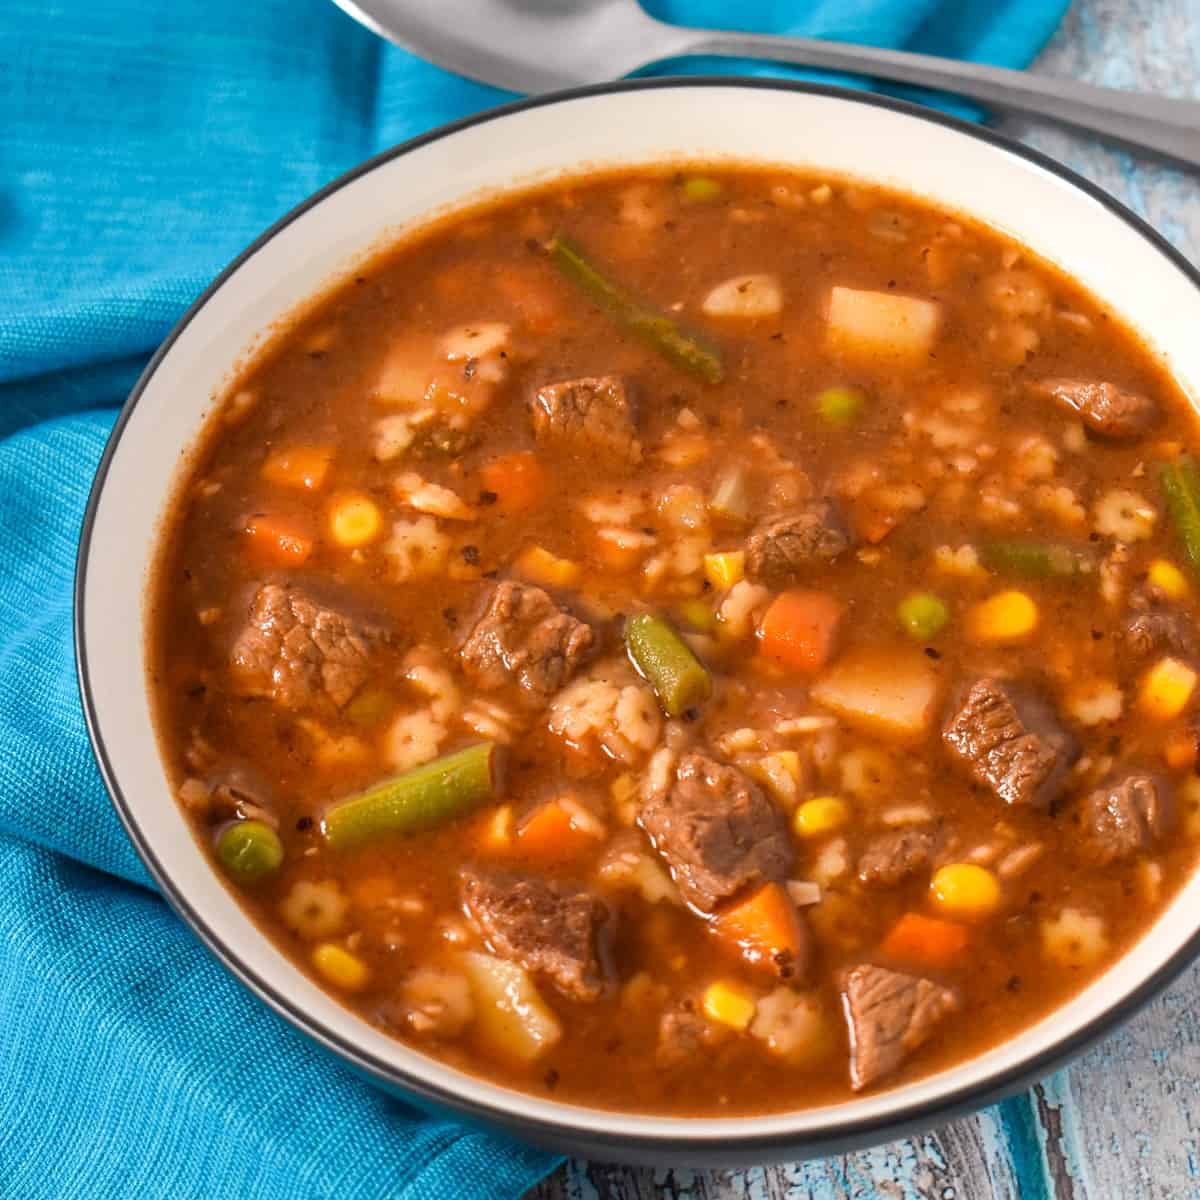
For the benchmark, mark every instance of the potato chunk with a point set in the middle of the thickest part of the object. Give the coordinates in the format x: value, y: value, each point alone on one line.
x: 512, y: 1019
x: 744, y: 297
x: 890, y: 692
x: 881, y: 325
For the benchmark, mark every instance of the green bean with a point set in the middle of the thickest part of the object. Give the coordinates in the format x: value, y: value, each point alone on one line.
x: 1180, y: 481
x: 1036, y: 560
x: 667, y: 663
x: 419, y: 799
x: 249, y: 851
x: 653, y: 327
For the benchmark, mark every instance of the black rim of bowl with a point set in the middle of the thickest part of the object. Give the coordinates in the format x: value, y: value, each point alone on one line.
x: 834, y: 1133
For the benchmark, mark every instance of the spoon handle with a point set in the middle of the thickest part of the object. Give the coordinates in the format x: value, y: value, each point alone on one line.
x: 1163, y: 125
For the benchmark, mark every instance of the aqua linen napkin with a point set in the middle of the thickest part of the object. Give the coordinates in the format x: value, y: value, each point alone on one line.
x: 141, y: 147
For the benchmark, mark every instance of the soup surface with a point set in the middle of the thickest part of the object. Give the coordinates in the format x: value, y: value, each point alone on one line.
x: 699, y: 641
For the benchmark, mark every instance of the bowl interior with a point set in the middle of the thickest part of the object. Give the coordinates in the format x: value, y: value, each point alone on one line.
x: 845, y: 134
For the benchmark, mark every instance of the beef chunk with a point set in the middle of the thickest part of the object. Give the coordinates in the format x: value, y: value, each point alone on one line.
x: 893, y: 857
x: 889, y: 1015
x: 298, y: 653
x: 717, y: 832
x: 523, y: 637
x: 783, y: 548
x: 1157, y: 631
x: 551, y: 928
x: 684, y: 1037
x: 1009, y: 740
x: 1105, y: 409
x: 1126, y: 816
x: 240, y: 793
x: 589, y: 417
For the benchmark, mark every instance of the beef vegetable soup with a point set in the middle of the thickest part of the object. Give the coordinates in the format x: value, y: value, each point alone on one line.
x: 695, y: 641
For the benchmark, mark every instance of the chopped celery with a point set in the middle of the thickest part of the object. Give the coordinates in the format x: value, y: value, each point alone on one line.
x: 419, y: 799
x: 731, y: 496
x: 1180, y: 482
x: 667, y: 663
x: 653, y: 327
x: 1036, y: 560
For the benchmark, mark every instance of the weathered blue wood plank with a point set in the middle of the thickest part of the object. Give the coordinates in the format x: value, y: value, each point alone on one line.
x: 969, y: 1160
x: 1127, y: 1115
x: 1124, y: 1122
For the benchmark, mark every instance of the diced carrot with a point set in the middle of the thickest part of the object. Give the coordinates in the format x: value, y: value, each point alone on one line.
x: 799, y: 630
x: 518, y: 481
x: 374, y: 891
x: 283, y: 541
x: 539, y: 565
x: 766, y: 928
x: 1179, y: 750
x: 875, y: 525
x: 462, y: 283
x: 621, y: 549
x: 925, y: 940
x: 298, y: 466
x: 531, y: 292
x: 549, y: 832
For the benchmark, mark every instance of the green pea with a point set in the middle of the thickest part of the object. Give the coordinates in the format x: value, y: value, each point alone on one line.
x: 369, y: 707
x: 698, y: 615
x: 840, y: 406
x: 700, y: 189
x: 922, y: 615
x: 249, y: 851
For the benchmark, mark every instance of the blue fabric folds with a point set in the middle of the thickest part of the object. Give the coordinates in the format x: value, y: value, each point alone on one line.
x: 141, y: 147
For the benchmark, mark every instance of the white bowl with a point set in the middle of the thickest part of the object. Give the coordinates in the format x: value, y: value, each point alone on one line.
x: 1012, y: 188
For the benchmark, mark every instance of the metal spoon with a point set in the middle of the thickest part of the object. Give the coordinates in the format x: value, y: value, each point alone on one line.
x: 544, y: 45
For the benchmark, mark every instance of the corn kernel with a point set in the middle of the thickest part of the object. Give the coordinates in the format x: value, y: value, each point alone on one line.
x: 965, y: 890
x: 1179, y: 750
x: 1166, y: 688
x: 1004, y: 617
x: 538, y: 565
x: 724, y: 570
x: 790, y: 761
x: 779, y: 772
x: 340, y: 967
x: 729, y: 1004
x: 820, y: 815
x: 1188, y: 797
x: 641, y: 993
x: 1168, y: 579
x: 354, y: 520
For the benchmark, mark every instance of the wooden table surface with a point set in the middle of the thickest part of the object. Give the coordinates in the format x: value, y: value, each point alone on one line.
x: 1122, y: 1123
